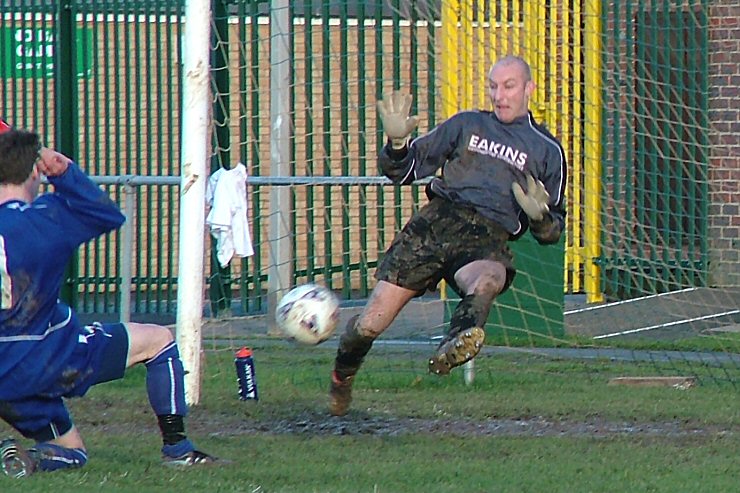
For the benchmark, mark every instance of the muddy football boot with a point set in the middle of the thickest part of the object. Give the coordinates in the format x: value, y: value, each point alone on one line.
x: 459, y: 349
x: 340, y: 394
x: 16, y: 461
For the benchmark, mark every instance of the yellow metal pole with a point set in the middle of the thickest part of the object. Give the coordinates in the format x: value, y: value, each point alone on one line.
x: 577, y: 155
x: 592, y: 152
x: 551, y: 53
x: 466, y: 54
x: 555, y: 122
x: 565, y: 114
x: 524, y: 43
x: 483, y: 56
x: 540, y: 57
x: 450, y: 54
x: 506, y: 29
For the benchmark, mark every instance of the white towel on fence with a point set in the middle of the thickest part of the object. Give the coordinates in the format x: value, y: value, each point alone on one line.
x: 228, y: 218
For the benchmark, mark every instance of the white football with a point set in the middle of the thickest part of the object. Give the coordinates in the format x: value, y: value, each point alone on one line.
x: 308, y: 314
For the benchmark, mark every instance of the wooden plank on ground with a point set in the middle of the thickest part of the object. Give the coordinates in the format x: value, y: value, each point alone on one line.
x: 677, y: 382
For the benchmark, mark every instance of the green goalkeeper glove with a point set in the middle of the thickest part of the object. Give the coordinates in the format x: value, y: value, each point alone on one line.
x: 534, y: 201
x: 394, y: 112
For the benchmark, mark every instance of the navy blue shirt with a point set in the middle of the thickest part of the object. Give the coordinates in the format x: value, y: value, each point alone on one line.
x: 37, y: 331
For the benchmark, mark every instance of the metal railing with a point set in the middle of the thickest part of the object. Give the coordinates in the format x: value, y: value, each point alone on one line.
x: 129, y: 236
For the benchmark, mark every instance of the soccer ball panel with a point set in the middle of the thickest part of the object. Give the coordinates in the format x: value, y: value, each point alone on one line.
x: 308, y: 314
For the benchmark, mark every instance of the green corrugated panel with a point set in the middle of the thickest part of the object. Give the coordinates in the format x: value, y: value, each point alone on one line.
x: 533, y: 306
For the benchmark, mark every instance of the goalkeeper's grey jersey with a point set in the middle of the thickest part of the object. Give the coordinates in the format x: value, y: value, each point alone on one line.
x: 480, y: 158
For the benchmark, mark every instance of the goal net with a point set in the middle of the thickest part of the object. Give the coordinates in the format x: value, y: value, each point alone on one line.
x: 647, y: 271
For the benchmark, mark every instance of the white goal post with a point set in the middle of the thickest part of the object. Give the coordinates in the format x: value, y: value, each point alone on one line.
x: 194, y: 156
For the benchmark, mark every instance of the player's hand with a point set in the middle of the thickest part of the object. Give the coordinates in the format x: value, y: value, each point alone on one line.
x: 534, y: 201
x: 394, y: 112
x: 52, y: 163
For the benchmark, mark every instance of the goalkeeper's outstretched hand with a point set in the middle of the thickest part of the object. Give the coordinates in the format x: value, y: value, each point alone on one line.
x: 534, y: 201
x: 394, y: 112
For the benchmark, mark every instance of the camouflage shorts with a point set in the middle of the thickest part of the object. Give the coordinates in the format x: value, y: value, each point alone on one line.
x: 437, y: 241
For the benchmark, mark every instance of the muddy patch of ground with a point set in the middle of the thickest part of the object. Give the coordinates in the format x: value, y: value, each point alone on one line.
x: 352, y: 424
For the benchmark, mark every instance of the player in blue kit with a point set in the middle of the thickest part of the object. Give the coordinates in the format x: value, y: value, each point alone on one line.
x: 46, y: 354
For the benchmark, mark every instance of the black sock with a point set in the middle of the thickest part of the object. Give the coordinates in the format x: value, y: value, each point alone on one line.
x: 352, y: 350
x: 472, y: 311
x: 172, y: 427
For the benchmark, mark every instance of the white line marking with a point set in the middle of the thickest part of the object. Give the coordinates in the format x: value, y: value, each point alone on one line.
x: 669, y: 324
x: 607, y: 305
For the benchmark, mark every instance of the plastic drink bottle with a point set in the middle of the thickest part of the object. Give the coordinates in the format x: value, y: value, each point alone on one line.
x: 245, y: 375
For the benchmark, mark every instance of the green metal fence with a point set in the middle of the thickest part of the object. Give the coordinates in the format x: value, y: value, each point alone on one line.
x: 102, y: 81
x: 656, y: 148
x: 344, y: 55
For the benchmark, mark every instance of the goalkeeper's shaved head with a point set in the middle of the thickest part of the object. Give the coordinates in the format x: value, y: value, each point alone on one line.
x: 516, y: 61
x: 510, y: 86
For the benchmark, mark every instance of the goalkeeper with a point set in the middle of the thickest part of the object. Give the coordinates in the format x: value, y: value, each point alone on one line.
x: 501, y: 174
x: 46, y: 355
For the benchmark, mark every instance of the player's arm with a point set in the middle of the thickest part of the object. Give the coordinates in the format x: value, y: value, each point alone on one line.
x: 397, y: 164
x: 90, y: 206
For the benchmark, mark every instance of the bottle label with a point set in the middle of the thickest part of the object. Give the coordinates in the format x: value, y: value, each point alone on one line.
x: 246, y: 379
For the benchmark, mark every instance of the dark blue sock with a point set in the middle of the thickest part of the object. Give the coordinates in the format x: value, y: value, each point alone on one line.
x: 53, y: 457
x: 165, y: 382
x: 180, y: 448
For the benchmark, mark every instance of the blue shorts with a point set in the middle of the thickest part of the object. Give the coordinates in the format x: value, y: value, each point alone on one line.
x: 100, y: 356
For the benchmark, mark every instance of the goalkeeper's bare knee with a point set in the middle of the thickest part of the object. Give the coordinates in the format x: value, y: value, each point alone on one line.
x: 483, y: 278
